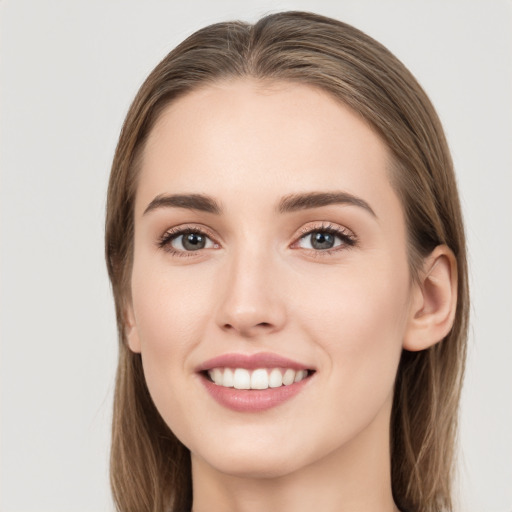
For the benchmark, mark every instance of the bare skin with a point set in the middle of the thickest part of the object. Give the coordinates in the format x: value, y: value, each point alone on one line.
x: 261, y: 282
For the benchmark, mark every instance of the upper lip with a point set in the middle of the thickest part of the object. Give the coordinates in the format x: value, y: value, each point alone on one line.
x: 251, y: 362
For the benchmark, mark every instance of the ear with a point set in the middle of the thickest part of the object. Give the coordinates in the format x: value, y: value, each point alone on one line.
x: 130, y: 329
x: 434, y: 301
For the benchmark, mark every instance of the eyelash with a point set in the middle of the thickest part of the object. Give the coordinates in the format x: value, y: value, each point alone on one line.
x: 165, y: 240
x: 347, y: 238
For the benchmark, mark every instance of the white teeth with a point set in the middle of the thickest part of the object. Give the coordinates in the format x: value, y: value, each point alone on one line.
x: 288, y: 377
x: 217, y: 376
x: 262, y: 378
x: 259, y: 379
x: 301, y: 374
x: 228, y: 380
x: 276, y: 379
x: 242, y: 379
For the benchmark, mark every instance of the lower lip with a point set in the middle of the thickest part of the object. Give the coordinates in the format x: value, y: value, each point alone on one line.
x: 253, y: 400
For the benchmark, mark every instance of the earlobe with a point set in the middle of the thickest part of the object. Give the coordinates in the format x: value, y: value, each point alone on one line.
x: 434, y: 301
x: 131, y: 331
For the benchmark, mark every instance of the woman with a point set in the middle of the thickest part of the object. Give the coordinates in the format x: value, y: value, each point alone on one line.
x: 286, y: 249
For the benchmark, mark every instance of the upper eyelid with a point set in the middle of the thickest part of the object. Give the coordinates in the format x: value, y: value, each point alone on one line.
x: 341, y: 232
x: 182, y: 229
x: 178, y: 230
x: 327, y: 226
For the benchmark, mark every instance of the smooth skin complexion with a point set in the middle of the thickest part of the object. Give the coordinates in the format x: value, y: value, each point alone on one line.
x: 324, y: 282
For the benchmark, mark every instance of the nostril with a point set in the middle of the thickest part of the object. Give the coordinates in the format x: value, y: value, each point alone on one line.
x: 248, y: 328
x: 261, y: 324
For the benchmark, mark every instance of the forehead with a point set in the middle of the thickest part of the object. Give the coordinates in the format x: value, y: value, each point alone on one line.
x: 255, y: 140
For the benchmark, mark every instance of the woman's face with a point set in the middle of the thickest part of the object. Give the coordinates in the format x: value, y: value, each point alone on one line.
x: 269, y: 245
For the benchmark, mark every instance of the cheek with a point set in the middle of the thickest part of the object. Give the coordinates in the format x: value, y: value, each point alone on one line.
x: 168, y: 310
x: 169, y: 307
x: 358, y: 298
x: 172, y: 309
x: 358, y: 319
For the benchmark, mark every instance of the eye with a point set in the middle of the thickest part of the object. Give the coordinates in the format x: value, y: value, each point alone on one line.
x: 190, y: 242
x: 326, y: 239
x: 181, y: 241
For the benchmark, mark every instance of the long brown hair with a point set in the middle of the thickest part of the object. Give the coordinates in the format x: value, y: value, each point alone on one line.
x: 150, y: 468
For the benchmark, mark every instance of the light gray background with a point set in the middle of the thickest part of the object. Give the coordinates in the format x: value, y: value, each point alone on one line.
x: 69, y: 70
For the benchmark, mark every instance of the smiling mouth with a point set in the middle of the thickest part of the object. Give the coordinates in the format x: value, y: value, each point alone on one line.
x: 259, y: 378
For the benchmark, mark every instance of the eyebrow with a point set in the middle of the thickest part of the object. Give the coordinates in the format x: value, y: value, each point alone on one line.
x: 289, y: 203
x: 309, y: 200
x: 199, y: 202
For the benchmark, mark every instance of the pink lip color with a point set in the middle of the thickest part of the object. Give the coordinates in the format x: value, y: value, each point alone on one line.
x: 251, y: 362
x: 252, y: 400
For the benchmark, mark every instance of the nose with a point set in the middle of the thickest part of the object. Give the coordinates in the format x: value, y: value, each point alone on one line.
x: 252, y: 301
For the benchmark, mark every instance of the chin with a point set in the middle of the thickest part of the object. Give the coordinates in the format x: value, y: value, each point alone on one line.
x: 250, y: 466
x: 250, y: 459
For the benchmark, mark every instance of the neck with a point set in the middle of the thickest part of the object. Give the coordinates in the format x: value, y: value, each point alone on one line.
x: 355, y: 477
